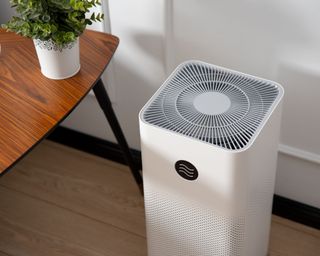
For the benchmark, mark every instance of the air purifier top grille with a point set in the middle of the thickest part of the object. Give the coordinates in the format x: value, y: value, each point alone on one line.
x: 212, y: 104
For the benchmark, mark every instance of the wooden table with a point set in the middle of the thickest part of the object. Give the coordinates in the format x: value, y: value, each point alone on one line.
x: 31, y: 105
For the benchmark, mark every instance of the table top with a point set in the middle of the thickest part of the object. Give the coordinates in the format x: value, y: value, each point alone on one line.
x: 31, y: 105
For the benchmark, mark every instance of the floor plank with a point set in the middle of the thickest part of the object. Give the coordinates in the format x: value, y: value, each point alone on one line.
x: 297, y: 226
x: 19, y: 240
x: 94, y: 187
x: 42, y: 217
x: 292, y: 239
x: 4, y: 254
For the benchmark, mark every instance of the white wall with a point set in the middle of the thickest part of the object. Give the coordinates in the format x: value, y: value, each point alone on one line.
x: 278, y: 40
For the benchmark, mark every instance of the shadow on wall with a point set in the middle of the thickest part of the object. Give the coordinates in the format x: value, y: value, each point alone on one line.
x: 139, y: 72
x: 144, y: 75
x: 133, y: 91
x: 135, y: 88
x: 152, y: 45
x: 6, y: 12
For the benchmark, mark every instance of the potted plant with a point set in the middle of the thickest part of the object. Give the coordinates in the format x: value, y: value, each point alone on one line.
x: 55, y: 27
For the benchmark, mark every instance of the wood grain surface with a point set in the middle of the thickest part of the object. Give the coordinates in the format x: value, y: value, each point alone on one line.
x: 31, y: 105
x: 59, y: 201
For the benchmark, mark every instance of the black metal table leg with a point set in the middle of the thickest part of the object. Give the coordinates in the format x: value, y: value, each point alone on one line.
x: 105, y: 104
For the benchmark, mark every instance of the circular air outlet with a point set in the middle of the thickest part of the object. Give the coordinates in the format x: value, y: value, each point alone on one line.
x: 212, y: 104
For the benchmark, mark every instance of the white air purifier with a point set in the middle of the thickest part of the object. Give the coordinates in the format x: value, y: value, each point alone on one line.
x: 209, y: 139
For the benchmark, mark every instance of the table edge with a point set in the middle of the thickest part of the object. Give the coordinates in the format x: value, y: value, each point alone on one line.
x: 5, y: 171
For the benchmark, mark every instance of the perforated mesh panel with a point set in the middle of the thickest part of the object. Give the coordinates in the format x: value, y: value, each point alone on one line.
x: 174, y: 107
x: 180, y: 228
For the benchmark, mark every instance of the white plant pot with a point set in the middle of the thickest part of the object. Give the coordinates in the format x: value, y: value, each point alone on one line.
x: 58, y: 62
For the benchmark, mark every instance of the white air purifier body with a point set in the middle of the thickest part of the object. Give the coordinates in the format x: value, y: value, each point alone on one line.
x: 209, y: 139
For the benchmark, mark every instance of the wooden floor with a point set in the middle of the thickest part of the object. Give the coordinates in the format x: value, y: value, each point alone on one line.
x: 59, y: 201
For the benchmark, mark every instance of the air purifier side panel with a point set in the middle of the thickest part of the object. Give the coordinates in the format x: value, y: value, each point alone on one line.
x: 261, y: 162
x: 227, y: 208
x: 221, y: 181
x: 205, y: 216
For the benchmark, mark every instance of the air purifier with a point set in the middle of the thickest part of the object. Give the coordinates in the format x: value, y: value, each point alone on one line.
x: 209, y: 139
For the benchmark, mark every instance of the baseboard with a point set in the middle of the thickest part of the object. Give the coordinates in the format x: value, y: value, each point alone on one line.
x: 283, y: 207
x: 92, y: 145
x: 296, y: 211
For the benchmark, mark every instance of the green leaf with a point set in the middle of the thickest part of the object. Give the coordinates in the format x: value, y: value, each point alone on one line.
x: 92, y: 16
x: 60, y: 20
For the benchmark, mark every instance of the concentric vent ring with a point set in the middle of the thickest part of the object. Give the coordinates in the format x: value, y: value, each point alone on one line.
x: 212, y: 104
x: 212, y: 116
